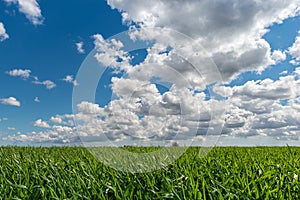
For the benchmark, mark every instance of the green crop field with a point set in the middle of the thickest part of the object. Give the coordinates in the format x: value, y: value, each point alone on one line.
x: 225, y: 173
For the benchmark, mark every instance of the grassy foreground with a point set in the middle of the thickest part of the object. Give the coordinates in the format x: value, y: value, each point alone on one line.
x: 225, y: 173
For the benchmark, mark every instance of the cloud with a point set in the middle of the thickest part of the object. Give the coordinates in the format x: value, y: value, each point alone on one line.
x: 47, y: 83
x: 3, y: 34
x: 284, y: 88
x: 79, y: 47
x: 70, y: 79
x: 3, y: 119
x: 285, y: 72
x: 23, y: 73
x: 31, y: 9
x: 12, y: 101
x: 222, y: 90
x: 256, y: 108
x: 63, y: 119
x: 57, y: 120
x: 54, y: 133
x: 109, y: 53
x: 37, y: 100
x: 42, y: 124
x: 43, y: 136
x: 26, y: 73
x: 278, y: 56
x: 294, y: 50
x: 231, y: 31
x: 141, y: 113
x: 11, y: 128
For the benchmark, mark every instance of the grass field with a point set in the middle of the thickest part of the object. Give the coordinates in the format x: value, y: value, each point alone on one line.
x: 225, y: 173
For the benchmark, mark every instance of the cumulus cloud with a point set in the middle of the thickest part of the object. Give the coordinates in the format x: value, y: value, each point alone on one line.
x: 70, y: 79
x: 231, y: 33
x: 12, y: 101
x: 253, y: 109
x: 3, y: 34
x: 63, y: 133
x: 56, y: 119
x: 142, y: 113
x: 23, y: 73
x: 109, y: 53
x: 222, y: 90
x: 66, y: 120
x: 294, y: 50
x: 55, y: 136
x: 79, y: 47
x: 230, y: 30
x: 31, y: 9
x: 42, y: 124
x: 26, y: 74
x: 278, y: 56
x: 256, y: 108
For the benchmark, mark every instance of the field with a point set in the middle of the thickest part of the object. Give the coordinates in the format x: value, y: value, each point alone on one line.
x: 225, y: 173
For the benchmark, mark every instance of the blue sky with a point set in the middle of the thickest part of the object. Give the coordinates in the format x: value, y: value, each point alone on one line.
x: 49, y: 51
x: 46, y: 37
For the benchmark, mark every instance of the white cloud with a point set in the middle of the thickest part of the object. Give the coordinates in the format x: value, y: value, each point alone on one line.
x: 222, y: 90
x: 294, y: 50
x: 285, y: 72
x: 26, y: 73
x: 31, y: 9
x: 11, y: 128
x: 253, y: 109
x: 109, y: 53
x: 79, y: 47
x: 294, y: 62
x: 3, y: 119
x: 278, y: 56
x: 230, y: 30
x: 12, y: 101
x: 256, y: 108
x: 89, y: 108
x: 66, y: 119
x: 235, y: 42
x: 57, y: 120
x: 47, y: 83
x: 37, y: 100
x: 70, y: 79
x: 55, y: 133
x: 23, y: 73
x: 3, y: 34
x: 42, y: 124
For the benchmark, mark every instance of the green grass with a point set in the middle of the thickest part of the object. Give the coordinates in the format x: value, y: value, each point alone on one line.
x: 225, y: 173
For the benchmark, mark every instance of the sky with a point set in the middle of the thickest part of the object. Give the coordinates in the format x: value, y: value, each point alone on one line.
x: 138, y: 72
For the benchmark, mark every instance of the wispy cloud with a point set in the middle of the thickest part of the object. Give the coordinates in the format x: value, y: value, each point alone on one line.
x: 47, y: 83
x: 3, y: 119
x: 11, y: 128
